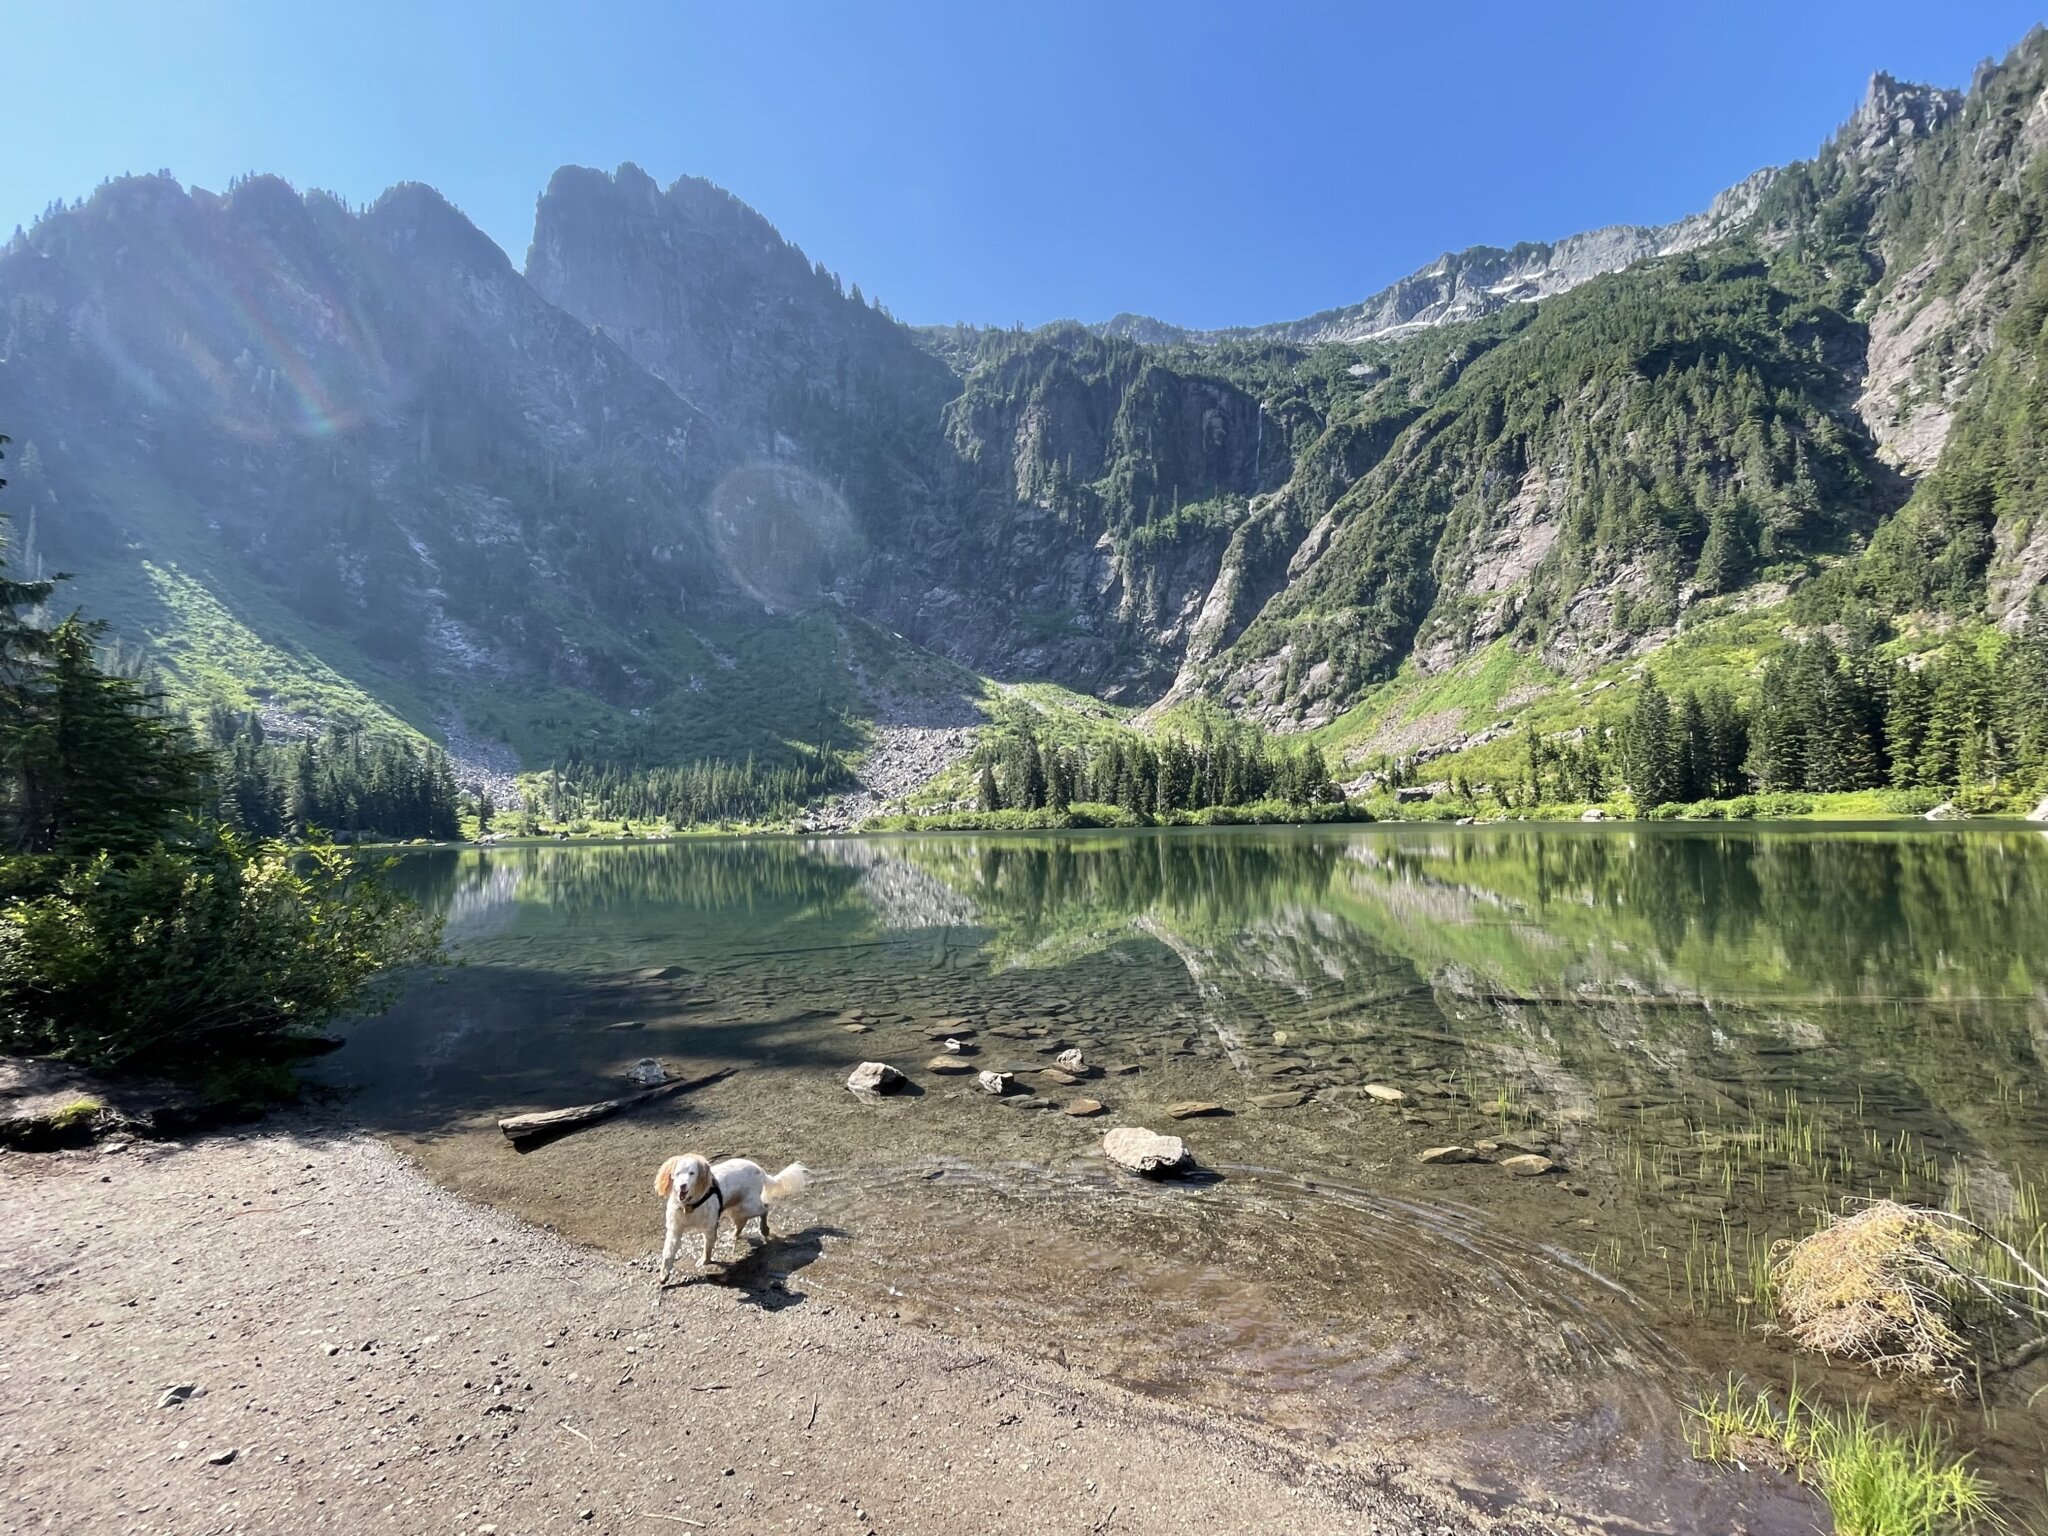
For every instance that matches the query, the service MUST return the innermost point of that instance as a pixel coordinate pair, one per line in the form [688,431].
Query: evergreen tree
[1647,756]
[1777,739]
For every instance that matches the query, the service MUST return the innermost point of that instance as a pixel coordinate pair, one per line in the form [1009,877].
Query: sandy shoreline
[380,1354]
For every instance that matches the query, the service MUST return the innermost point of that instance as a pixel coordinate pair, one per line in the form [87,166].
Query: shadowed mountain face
[675,485]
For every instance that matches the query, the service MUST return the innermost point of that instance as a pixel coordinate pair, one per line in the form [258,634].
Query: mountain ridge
[670,490]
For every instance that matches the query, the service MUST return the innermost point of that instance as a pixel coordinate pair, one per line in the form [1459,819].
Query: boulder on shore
[2039,812]
[1138,1150]
[874,1077]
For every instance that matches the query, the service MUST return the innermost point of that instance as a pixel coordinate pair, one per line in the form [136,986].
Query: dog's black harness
[713,1191]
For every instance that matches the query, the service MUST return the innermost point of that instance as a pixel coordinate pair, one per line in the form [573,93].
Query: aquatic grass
[1877,1480]
[1785,1159]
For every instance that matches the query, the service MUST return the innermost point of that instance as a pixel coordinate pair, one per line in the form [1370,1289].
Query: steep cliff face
[989,514]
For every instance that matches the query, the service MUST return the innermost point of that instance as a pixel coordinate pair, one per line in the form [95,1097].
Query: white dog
[700,1196]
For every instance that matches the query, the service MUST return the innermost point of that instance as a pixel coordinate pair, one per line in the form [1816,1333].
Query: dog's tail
[792,1181]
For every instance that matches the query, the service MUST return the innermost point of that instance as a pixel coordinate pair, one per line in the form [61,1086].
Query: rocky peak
[1895,112]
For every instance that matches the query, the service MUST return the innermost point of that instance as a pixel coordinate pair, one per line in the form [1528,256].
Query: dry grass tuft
[1881,1286]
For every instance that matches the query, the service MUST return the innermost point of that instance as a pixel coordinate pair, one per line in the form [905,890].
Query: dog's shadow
[761,1273]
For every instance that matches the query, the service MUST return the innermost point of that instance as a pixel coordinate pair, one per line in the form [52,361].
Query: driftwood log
[556,1122]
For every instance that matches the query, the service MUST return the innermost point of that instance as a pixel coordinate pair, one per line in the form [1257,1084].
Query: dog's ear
[665,1180]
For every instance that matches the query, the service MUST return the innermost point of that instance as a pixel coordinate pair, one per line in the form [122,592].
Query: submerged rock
[1449,1155]
[874,1077]
[1142,1151]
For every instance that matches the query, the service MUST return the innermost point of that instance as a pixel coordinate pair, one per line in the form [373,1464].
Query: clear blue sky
[1210,164]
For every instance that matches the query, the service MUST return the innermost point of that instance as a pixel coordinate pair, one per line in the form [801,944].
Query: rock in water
[647,1073]
[1386,1093]
[1527,1166]
[1448,1155]
[874,1077]
[994,1082]
[1190,1109]
[1069,1061]
[1142,1151]
[1592,813]
[2039,812]
[1946,811]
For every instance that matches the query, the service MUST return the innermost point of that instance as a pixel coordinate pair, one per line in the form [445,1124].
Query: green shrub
[188,954]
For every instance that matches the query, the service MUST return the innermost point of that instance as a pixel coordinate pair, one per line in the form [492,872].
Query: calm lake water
[1718,1032]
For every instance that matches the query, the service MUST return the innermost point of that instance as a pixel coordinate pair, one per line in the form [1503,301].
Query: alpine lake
[1717,1033]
